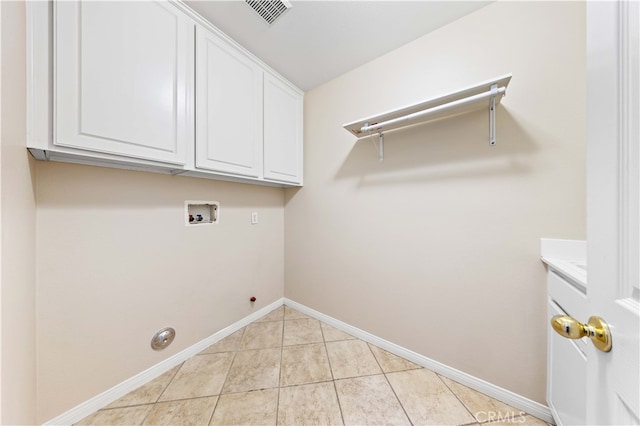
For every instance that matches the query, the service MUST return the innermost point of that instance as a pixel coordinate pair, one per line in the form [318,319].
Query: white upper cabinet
[152,86]
[123,79]
[282,131]
[228,108]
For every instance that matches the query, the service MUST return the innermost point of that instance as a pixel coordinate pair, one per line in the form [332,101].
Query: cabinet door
[123,78]
[282,131]
[228,108]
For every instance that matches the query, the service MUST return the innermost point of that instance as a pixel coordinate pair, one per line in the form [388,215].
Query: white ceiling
[316,41]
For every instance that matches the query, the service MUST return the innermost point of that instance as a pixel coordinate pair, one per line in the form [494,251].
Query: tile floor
[289,369]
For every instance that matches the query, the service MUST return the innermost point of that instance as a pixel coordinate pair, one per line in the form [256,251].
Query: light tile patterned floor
[289,369]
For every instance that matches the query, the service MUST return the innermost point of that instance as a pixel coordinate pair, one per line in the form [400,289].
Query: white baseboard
[81,411]
[513,399]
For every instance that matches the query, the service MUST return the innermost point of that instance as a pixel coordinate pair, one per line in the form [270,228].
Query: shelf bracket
[380,146]
[492,114]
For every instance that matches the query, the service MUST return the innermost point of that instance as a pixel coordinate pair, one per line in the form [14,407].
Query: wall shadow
[451,148]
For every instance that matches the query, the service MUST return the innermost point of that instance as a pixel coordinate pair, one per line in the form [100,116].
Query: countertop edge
[566,257]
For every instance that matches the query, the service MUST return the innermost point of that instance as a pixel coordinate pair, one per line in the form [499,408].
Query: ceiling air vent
[269,10]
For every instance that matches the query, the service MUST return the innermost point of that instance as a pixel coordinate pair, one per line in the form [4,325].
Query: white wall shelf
[487,94]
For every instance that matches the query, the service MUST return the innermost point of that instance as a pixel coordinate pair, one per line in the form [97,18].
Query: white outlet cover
[254,218]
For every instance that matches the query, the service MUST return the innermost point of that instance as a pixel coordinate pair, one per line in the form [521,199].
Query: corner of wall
[17,223]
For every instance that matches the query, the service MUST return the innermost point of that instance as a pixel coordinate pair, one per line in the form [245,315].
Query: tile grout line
[384,373]
[511,417]
[158,402]
[459,399]
[148,414]
[152,403]
[280,372]
[297,385]
[125,406]
[214,408]
[161,393]
[235,353]
[164,402]
[169,383]
[333,379]
[363,375]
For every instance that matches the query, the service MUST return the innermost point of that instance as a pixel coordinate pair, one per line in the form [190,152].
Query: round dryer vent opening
[162,338]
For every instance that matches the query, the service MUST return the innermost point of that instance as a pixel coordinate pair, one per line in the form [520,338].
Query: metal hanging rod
[417,116]
[484,95]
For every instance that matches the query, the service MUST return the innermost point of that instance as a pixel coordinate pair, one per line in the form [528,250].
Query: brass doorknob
[596,329]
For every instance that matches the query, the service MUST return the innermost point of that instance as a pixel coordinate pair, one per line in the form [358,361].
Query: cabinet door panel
[228,108]
[567,379]
[282,131]
[122,78]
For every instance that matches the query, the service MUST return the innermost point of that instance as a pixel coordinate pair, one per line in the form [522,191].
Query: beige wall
[17,226]
[436,249]
[431,250]
[115,263]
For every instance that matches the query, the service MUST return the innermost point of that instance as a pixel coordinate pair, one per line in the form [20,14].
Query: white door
[282,131]
[228,108]
[123,78]
[613,191]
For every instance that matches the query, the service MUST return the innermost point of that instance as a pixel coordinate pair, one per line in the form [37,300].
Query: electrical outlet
[254,218]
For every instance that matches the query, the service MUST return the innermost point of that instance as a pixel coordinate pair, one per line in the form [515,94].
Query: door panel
[229,108]
[122,77]
[282,131]
[613,378]
[566,376]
